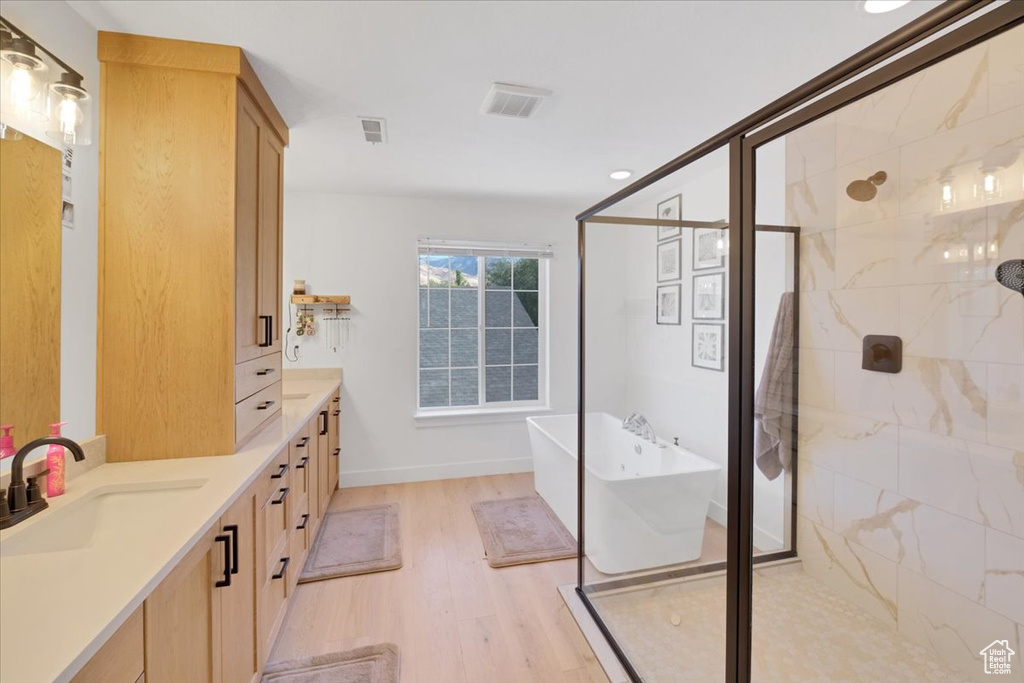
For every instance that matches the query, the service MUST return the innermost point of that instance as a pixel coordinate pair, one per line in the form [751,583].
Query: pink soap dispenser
[7,448]
[55,463]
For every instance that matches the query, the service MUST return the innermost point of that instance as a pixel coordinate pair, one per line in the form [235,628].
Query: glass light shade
[22,96]
[69,105]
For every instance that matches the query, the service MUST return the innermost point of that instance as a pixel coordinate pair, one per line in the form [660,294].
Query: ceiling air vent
[513,101]
[374,130]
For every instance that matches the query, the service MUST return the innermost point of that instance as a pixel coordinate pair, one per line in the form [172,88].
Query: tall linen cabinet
[191,171]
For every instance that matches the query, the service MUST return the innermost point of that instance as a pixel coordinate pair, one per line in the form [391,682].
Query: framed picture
[670,260]
[709,296]
[708,248]
[670,210]
[709,346]
[669,297]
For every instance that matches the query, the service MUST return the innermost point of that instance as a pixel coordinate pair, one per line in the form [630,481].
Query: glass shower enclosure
[802,381]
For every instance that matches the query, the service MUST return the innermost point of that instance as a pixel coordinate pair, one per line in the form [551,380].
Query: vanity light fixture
[621,174]
[22,79]
[882,6]
[29,98]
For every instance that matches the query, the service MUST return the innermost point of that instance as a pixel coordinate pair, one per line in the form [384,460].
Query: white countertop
[58,608]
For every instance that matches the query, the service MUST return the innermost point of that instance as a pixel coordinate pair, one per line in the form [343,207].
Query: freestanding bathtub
[645,504]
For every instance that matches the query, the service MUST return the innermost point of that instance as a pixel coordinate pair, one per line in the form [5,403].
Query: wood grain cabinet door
[323,436]
[250,329]
[183,617]
[271,205]
[239,663]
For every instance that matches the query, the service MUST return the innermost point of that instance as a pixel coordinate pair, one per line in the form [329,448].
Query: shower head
[1010,274]
[865,190]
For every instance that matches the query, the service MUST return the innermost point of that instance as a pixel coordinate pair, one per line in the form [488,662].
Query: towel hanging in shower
[773,402]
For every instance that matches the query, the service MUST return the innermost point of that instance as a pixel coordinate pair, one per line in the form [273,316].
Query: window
[482,327]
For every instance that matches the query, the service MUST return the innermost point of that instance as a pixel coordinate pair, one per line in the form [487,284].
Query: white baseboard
[457,470]
[762,539]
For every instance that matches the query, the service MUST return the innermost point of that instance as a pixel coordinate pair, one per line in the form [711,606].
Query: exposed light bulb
[23,89]
[620,174]
[70,116]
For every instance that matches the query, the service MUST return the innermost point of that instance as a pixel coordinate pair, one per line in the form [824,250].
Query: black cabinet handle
[302,463]
[336,413]
[266,332]
[226,540]
[335,399]
[323,430]
[282,468]
[267,371]
[302,444]
[264,405]
[305,522]
[337,451]
[279,501]
[284,568]
[233,529]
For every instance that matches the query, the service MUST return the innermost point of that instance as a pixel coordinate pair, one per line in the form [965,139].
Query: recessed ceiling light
[882,6]
[621,175]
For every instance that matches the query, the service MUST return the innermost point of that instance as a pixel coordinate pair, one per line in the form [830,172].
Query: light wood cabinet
[183,616]
[334,441]
[215,617]
[120,660]
[190,248]
[240,662]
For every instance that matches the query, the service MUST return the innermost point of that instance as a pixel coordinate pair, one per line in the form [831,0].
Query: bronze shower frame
[818,97]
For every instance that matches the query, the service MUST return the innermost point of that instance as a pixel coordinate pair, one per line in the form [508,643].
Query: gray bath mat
[373,664]
[521,530]
[357,541]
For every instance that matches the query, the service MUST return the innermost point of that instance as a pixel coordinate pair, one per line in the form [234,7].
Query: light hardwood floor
[454,618]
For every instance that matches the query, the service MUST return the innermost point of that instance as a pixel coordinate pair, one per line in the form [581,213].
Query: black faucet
[27,501]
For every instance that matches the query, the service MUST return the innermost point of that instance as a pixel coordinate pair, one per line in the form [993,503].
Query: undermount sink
[294,397]
[103,515]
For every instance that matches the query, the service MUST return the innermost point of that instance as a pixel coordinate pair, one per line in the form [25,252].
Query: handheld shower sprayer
[1010,274]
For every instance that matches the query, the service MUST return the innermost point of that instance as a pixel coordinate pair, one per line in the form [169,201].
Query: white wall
[366,247]
[65,33]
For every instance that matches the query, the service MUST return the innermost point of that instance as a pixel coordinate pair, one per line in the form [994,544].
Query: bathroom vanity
[173,570]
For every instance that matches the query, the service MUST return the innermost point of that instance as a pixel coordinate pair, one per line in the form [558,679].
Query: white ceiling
[635,83]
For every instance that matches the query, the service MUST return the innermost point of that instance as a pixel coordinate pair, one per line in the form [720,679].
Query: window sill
[449,418]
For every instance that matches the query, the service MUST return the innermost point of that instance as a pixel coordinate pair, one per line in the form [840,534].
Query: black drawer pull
[279,501]
[284,568]
[233,529]
[226,581]
[336,413]
[264,405]
[302,444]
[323,430]
[335,399]
[302,463]
[267,371]
[337,450]
[282,468]
[305,522]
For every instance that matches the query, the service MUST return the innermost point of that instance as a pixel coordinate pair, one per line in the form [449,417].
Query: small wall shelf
[312,299]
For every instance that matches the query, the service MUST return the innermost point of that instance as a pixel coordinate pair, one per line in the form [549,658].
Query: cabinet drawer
[297,551]
[256,374]
[276,519]
[257,409]
[270,605]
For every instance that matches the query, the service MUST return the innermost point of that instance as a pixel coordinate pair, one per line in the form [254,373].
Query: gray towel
[773,402]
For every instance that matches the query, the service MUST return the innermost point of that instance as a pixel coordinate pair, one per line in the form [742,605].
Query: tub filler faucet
[638,424]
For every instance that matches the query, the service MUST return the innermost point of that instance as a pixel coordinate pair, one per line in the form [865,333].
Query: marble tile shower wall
[911,491]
